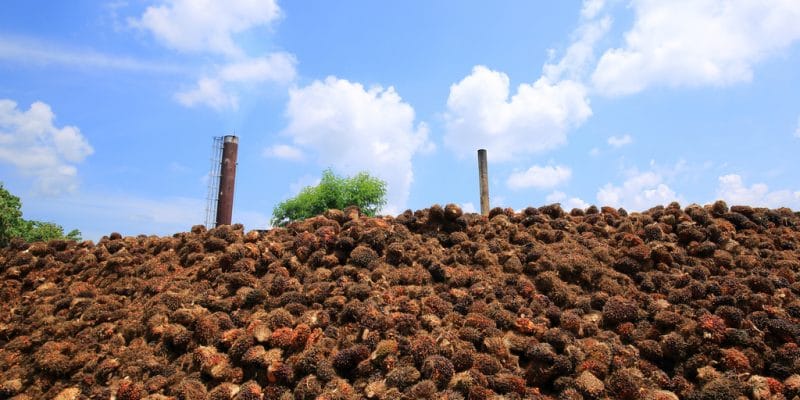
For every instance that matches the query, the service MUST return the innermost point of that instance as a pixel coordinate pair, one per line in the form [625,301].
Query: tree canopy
[362,190]
[12,225]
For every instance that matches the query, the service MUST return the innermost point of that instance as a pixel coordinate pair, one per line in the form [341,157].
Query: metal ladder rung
[213,182]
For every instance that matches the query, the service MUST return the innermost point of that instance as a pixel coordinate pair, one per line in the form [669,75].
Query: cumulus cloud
[480,114]
[352,128]
[591,8]
[483,112]
[640,191]
[211,27]
[566,201]
[284,152]
[205,26]
[208,92]
[577,60]
[695,43]
[539,177]
[619,141]
[217,93]
[277,67]
[31,143]
[733,190]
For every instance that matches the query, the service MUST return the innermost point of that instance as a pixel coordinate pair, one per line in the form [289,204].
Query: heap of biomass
[694,303]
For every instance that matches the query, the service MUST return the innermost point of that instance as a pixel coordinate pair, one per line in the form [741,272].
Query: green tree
[38,231]
[12,225]
[362,190]
[11,222]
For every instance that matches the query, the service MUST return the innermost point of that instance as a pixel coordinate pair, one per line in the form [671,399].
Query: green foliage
[362,190]
[45,231]
[10,216]
[74,235]
[12,225]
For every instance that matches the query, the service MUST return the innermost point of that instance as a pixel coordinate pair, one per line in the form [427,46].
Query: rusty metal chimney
[227,179]
[483,177]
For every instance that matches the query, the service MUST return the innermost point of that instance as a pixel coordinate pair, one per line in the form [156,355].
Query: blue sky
[107,109]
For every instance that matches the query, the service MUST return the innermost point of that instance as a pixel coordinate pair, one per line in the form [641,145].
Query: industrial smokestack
[483,178]
[227,179]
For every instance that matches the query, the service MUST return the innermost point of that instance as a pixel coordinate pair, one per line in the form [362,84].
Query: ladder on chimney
[213,182]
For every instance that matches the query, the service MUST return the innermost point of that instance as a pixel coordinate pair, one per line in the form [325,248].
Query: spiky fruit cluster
[438,369]
[402,377]
[619,309]
[128,390]
[346,360]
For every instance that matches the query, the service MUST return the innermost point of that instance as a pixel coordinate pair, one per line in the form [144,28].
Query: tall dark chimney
[227,180]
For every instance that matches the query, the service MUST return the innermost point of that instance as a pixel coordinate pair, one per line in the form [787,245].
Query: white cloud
[27,51]
[284,152]
[208,92]
[536,118]
[594,152]
[696,42]
[644,189]
[35,147]
[482,112]
[620,141]
[276,67]
[640,191]
[218,94]
[579,56]
[468,208]
[732,189]
[797,130]
[591,8]
[206,25]
[351,129]
[539,177]
[211,27]
[567,202]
